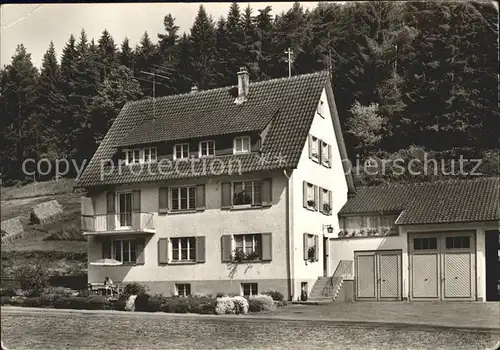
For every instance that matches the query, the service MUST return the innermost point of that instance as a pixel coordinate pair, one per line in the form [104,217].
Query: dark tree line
[404,74]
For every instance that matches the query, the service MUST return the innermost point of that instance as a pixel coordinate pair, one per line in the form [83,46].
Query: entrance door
[378,275]
[125,209]
[492,265]
[325,257]
[442,266]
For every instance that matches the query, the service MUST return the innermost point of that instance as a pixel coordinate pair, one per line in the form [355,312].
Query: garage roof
[430,202]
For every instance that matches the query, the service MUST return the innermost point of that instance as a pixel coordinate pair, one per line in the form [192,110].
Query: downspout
[289,235]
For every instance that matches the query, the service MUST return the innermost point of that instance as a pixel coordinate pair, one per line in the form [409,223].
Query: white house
[234,189]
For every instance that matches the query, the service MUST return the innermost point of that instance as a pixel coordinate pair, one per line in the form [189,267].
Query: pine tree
[107,53]
[222,45]
[250,49]
[184,65]
[146,56]
[203,50]
[126,55]
[235,41]
[264,31]
[19,89]
[168,50]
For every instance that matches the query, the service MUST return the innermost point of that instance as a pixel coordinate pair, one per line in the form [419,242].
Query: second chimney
[194,88]
[243,84]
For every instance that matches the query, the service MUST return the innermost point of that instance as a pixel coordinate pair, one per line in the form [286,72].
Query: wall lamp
[329,228]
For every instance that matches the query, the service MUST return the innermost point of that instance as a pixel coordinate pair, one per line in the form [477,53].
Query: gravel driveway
[51,330]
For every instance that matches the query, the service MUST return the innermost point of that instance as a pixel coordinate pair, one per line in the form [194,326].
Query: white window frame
[251,285]
[130,243]
[242,138]
[171,198]
[132,152]
[254,237]
[207,143]
[253,204]
[150,159]
[310,195]
[182,145]
[321,108]
[117,210]
[175,244]
[184,293]
[315,148]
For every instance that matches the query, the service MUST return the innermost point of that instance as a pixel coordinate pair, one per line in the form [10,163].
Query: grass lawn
[121,330]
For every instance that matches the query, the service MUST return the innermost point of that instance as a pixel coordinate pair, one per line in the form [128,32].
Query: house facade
[232,190]
[422,242]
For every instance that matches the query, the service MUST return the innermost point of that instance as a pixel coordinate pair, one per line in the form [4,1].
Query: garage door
[442,266]
[378,275]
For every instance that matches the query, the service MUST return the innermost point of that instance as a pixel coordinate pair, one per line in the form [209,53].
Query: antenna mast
[289,52]
[154,74]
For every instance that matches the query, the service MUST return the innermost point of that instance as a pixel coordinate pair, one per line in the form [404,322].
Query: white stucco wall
[343,249]
[211,223]
[306,221]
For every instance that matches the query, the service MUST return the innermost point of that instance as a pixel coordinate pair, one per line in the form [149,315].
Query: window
[314,148]
[310,247]
[458,242]
[183,249]
[125,209]
[310,196]
[249,289]
[326,205]
[321,107]
[425,243]
[207,148]
[241,144]
[132,156]
[181,151]
[248,244]
[124,251]
[183,198]
[150,154]
[247,193]
[183,290]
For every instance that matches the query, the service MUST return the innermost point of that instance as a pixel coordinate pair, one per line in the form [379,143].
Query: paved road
[53,329]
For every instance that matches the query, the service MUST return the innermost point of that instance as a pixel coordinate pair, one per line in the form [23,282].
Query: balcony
[118,224]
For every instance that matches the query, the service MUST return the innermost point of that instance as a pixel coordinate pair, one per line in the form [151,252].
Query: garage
[377,275]
[442,266]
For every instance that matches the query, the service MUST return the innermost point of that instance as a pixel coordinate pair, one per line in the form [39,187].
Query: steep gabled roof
[286,105]
[430,202]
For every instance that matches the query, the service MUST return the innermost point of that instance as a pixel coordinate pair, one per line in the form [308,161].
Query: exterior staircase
[326,289]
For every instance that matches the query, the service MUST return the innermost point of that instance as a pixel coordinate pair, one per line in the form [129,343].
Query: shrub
[281,303]
[141,301]
[202,305]
[130,303]
[277,296]
[32,302]
[78,303]
[17,300]
[154,304]
[48,300]
[119,305]
[176,305]
[133,289]
[261,303]
[6,300]
[34,277]
[9,292]
[240,305]
[96,302]
[60,291]
[231,305]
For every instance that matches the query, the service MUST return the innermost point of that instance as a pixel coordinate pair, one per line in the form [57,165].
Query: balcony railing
[118,222]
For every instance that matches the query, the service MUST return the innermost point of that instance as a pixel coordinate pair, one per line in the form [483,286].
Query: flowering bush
[130,304]
[240,305]
[277,296]
[225,305]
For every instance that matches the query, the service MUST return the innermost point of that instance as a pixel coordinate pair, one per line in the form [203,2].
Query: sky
[36,25]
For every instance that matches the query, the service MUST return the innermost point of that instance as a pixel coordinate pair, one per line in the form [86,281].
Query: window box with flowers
[240,256]
[327,209]
[311,254]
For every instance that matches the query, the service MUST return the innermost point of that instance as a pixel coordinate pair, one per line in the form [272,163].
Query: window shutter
[320,190]
[226,195]
[267,246]
[316,245]
[316,197]
[306,247]
[200,249]
[106,247]
[330,202]
[200,197]
[139,246]
[110,218]
[304,194]
[163,200]
[226,248]
[309,144]
[329,156]
[267,192]
[163,251]
[320,151]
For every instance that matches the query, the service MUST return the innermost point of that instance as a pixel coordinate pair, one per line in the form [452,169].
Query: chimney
[194,88]
[243,84]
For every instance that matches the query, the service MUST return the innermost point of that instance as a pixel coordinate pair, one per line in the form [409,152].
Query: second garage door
[442,266]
